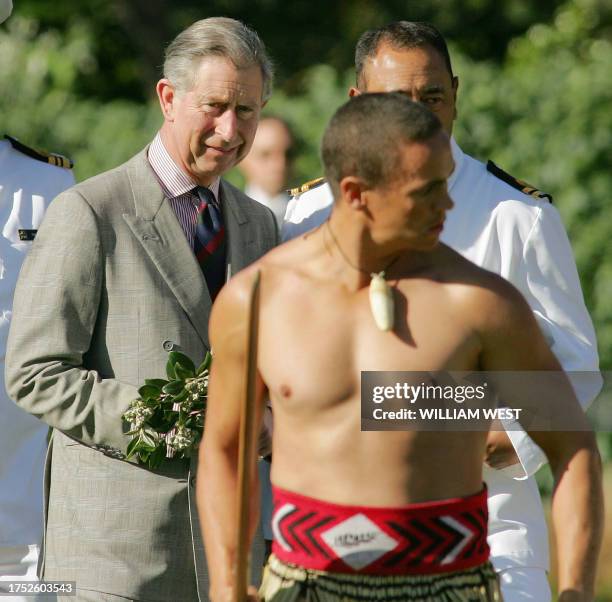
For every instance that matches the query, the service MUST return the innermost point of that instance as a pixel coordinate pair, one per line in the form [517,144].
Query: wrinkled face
[420,73]
[412,208]
[209,128]
[267,164]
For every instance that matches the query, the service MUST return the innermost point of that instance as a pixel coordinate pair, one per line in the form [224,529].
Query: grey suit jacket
[109,287]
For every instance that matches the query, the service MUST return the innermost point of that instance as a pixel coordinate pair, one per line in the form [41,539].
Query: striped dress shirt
[178,187]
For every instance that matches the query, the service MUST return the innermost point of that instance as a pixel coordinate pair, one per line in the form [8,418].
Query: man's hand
[500,452]
[571,595]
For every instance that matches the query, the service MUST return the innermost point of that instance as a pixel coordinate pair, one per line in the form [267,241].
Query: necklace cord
[350,263]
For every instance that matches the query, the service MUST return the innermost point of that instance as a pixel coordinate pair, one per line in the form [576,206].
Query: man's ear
[353,91]
[351,192]
[166,96]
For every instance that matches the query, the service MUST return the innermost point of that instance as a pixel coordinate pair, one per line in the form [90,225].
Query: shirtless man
[387,160]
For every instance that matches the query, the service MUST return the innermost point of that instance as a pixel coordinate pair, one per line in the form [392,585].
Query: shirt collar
[458,158]
[173,180]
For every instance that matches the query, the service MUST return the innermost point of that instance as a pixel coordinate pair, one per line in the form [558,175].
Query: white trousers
[18,563]
[522,584]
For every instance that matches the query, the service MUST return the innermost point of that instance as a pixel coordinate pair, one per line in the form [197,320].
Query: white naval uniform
[523,239]
[26,187]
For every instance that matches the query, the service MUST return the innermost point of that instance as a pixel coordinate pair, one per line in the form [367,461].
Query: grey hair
[216,36]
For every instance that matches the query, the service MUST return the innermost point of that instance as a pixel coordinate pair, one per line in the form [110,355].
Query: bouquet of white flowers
[167,419]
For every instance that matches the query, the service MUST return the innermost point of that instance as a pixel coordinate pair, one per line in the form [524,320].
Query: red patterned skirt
[418,539]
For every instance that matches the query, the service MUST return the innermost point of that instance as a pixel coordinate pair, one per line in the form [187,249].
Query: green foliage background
[540,105]
[535,95]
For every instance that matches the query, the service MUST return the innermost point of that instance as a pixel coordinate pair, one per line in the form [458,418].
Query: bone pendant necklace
[382,304]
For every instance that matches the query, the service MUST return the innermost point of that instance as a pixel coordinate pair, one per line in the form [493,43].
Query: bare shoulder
[233,298]
[488,297]
[498,315]
[232,302]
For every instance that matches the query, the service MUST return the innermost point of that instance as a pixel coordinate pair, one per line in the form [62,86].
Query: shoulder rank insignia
[521,185]
[40,155]
[298,190]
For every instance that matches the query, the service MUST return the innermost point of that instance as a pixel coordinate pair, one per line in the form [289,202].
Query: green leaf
[205,365]
[148,392]
[170,373]
[157,421]
[180,359]
[183,372]
[156,382]
[132,447]
[149,439]
[157,457]
[181,396]
[174,387]
[153,402]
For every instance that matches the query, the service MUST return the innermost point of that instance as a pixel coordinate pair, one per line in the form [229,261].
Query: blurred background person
[267,167]
[29,179]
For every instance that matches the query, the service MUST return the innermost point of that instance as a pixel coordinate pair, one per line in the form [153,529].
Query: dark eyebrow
[433,89]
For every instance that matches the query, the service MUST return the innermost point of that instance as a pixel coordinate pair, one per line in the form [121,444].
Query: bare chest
[315,345]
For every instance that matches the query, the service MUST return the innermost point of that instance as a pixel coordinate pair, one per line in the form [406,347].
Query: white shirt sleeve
[552,288]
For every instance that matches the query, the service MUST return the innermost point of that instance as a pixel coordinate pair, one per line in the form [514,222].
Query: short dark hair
[365,135]
[399,35]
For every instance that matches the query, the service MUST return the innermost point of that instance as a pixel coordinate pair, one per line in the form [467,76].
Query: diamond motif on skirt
[358,541]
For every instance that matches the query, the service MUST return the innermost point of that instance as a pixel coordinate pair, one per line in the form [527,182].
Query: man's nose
[443,205]
[227,125]
[446,202]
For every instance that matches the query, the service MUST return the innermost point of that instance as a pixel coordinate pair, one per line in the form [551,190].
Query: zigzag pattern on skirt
[428,538]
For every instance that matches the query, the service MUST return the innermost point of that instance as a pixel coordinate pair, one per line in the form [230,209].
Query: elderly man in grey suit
[125,268]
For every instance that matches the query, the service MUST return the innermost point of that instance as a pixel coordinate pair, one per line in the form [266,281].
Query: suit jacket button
[168,345]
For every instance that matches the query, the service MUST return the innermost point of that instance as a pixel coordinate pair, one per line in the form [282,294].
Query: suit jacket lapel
[159,232]
[241,232]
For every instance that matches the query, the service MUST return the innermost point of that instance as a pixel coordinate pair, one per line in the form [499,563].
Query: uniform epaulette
[40,155]
[298,190]
[521,185]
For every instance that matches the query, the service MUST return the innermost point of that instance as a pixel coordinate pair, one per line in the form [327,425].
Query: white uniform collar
[459,158]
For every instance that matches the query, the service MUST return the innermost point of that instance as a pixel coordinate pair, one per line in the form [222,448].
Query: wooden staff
[247,449]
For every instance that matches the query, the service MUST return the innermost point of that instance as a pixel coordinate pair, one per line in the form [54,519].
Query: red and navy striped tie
[210,241]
